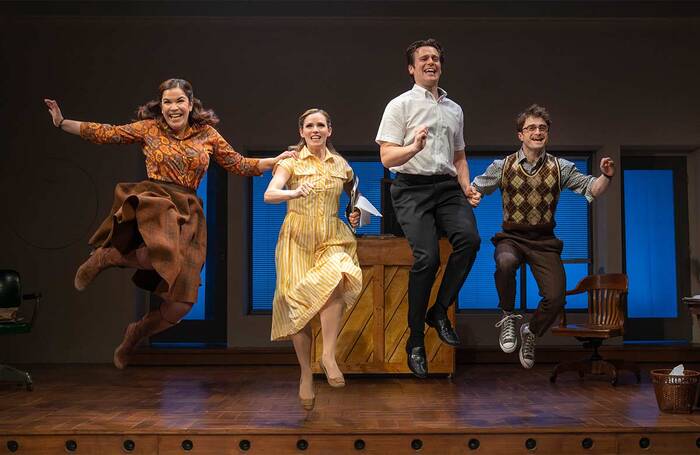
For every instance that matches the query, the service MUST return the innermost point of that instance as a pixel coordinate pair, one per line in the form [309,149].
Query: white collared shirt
[444,119]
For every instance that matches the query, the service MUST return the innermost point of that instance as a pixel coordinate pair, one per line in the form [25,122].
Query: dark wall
[608,83]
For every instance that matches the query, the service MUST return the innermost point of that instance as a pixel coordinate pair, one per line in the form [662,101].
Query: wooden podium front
[374,332]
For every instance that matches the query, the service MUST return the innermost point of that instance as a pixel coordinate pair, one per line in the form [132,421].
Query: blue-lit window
[572,218]
[650,240]
[267,220]
[198,309]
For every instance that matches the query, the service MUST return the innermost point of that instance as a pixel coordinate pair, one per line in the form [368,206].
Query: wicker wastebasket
[676,394]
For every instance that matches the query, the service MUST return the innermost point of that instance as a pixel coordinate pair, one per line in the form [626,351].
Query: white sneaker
[527,350]
[508,339]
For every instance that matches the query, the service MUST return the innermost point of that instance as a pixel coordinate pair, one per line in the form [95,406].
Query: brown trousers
[543,254]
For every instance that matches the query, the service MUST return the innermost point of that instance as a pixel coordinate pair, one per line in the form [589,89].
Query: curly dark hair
[432,42]
[199,116]
[534,110]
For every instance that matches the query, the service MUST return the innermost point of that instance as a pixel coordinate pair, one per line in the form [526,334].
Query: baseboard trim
[285,355]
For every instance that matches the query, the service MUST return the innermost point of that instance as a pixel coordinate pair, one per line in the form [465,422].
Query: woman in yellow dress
[316,259]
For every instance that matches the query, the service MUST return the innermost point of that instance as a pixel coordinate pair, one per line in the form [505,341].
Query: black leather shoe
[444,329]
[417,363]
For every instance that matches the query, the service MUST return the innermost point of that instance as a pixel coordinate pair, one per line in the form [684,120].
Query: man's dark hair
[411,50]
[534,110]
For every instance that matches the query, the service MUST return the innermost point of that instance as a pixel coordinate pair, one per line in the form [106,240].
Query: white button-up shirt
[444,119]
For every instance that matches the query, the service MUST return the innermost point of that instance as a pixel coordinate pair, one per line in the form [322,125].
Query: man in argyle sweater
[530,181]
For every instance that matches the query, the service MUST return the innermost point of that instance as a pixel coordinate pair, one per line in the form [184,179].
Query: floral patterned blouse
[182,158]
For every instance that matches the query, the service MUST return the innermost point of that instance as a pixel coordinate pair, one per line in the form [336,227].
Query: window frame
[212,330]
[655,328]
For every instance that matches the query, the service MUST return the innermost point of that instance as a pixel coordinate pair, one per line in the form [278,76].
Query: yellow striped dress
[316,251]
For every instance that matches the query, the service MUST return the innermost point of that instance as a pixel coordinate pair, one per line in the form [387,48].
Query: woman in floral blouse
[157,226]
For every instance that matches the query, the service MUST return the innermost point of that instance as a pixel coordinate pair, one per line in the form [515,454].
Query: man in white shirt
[421,138]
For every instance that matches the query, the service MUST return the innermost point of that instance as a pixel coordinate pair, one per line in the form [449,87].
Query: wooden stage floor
[254,409]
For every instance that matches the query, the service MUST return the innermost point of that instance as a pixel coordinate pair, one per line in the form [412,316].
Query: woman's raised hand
[55,111]
[286,154]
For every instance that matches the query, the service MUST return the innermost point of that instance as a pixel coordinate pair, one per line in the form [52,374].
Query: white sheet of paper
[366,209]
[677,370]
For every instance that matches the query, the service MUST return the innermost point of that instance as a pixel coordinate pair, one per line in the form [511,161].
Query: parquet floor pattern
[262,400]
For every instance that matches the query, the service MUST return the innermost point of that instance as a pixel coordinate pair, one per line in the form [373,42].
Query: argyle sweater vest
[529,201]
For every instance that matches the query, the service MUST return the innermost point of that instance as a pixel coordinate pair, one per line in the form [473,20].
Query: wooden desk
[373,334]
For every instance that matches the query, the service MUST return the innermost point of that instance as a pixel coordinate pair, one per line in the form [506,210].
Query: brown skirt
[168,219]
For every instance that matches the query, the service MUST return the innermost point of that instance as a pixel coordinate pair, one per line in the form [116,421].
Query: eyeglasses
[533,128]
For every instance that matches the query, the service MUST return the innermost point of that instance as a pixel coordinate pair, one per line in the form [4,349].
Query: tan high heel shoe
[337,382]
[307,403]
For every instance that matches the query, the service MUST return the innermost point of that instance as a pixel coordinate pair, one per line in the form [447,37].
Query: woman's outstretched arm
[236,163]
[99,133]
[69,126]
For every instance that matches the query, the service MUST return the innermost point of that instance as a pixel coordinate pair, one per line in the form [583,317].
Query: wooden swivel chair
[606,318]
[15,317]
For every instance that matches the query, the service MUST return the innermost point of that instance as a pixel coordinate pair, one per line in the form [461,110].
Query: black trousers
[426,206]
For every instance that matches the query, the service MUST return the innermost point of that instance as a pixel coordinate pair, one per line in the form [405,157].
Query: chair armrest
[576,291]
[22,314]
